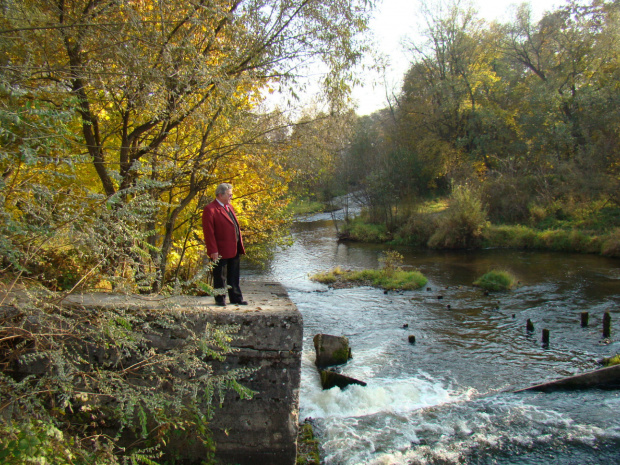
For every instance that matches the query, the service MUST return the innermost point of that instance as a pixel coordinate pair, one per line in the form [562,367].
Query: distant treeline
[526,115]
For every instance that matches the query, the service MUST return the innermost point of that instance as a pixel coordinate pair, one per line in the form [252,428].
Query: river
[448,398]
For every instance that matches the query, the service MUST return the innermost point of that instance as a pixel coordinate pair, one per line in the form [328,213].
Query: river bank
[419,233]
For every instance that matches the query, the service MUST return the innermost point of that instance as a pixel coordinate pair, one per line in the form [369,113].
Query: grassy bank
[303,207]
[462,223]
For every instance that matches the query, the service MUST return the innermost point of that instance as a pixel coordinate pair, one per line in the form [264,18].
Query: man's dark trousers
[226,272]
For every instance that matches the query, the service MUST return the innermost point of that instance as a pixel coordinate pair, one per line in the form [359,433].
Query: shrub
[463,223]
[507,198]
[417,230]
[36,441]
[366,232]
[611,245]
[392,261]
[496,280]
[104,384]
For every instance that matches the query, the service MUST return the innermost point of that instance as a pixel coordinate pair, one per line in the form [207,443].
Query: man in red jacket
[224,245]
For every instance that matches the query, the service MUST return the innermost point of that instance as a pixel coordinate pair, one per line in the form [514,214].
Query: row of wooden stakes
[585,316]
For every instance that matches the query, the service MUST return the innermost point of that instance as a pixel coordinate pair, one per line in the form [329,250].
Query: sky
[397,20]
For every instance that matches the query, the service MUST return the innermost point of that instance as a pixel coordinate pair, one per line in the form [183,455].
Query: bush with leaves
[463,222]
[76,384]
[88,384]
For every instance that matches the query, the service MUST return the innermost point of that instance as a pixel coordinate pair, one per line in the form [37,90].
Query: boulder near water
[331,350]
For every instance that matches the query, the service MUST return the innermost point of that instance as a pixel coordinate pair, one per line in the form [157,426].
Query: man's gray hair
[222,188]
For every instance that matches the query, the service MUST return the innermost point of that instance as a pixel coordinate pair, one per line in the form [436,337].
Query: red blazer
[219,231]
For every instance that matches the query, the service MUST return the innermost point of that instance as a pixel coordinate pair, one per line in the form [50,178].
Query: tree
[570,69]
[315,145]
[165,97]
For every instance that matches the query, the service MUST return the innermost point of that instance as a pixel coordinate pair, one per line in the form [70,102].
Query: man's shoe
[241,302]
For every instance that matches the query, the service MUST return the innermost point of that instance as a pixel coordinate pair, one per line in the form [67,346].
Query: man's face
[226,198]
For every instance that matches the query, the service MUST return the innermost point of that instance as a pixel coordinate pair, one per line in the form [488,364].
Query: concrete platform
[258,431]
[604,378]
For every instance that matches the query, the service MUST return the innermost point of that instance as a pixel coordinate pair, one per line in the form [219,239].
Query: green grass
[434,206]
[559,240]
[615,360]
[306,207]
[307,446]
[497,280]
[393,279]
[358,230]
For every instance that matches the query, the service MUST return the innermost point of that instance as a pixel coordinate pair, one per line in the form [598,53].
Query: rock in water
[331,350]
[330,379]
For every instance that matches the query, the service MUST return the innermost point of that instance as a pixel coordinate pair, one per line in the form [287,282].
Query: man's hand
[215,256]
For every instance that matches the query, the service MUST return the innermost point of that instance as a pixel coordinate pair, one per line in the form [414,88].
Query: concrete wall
[262,430]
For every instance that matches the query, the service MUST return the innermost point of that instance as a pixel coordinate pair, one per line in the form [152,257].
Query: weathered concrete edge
[603,378]
[262,430]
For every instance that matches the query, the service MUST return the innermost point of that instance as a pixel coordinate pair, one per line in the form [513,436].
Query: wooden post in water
[584,319]
[529,325]
[606,325]
[545,337]
[411,339]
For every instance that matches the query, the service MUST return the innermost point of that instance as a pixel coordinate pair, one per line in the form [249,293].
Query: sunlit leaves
[163,102]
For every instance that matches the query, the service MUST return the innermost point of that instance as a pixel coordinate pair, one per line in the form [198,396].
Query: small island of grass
[497,280]
[390,277]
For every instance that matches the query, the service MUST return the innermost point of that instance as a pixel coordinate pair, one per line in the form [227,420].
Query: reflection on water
[447,398]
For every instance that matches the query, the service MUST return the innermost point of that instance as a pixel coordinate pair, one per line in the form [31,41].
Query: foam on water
[418,421]
[381,395]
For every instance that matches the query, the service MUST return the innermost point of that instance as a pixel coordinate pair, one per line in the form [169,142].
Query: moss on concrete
[307,446]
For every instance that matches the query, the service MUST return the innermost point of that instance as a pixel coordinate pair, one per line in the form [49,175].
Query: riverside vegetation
[503,135]
[390,277]
[106,160]
[461,221]
[103,174]
[497,280]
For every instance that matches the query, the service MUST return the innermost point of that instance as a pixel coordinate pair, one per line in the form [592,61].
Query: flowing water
[448,398]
